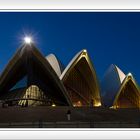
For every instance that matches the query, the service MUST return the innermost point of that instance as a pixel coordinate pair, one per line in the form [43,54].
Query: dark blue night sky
[110,38]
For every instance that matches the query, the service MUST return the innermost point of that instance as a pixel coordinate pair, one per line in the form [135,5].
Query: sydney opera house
[30,79]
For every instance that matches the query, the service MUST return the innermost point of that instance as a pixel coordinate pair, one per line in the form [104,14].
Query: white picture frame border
[70,6]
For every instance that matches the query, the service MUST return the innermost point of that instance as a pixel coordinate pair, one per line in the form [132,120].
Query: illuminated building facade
[119,90]
[80,80]
[128,95]
[30,79]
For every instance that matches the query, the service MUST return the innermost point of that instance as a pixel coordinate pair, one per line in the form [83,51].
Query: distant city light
[28,40]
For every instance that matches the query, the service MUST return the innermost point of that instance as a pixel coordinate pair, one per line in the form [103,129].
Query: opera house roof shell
[55,63]
[30,62]
[30,79]
[80,80]
[119,90]
[111,83]
[128,95]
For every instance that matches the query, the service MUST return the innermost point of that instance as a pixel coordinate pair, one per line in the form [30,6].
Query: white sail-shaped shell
[54,62]
[111,83]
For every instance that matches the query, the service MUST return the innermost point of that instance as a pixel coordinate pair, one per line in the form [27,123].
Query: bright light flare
[28,40]
[53,105]
[97,104]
